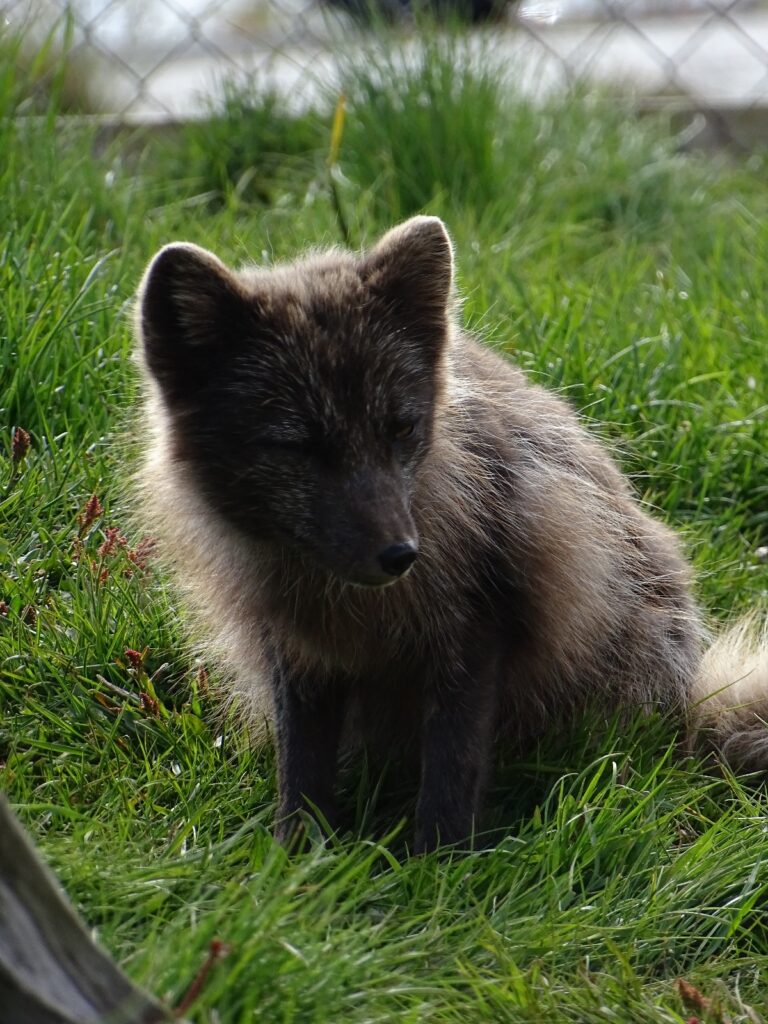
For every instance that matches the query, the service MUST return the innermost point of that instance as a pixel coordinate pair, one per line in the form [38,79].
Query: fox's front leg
[309,715]
[456,754]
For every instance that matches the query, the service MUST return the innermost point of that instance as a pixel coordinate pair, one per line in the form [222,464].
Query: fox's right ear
[190,308]
[411,270]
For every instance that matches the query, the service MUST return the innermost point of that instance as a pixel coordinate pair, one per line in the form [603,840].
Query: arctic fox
[394,537]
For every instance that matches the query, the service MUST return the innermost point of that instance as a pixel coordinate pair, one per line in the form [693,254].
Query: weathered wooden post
[51,971]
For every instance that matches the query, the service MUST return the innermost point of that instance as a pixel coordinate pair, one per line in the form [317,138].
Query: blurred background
[165,60]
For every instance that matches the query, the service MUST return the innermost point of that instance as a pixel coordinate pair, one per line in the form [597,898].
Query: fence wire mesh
[159,59]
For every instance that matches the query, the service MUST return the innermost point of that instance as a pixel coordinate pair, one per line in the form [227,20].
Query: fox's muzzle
[372,539]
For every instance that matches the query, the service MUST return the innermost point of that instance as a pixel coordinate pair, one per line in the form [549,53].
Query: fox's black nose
[398,558]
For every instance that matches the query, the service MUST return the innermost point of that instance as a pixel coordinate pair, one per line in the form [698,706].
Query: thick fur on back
[280,403]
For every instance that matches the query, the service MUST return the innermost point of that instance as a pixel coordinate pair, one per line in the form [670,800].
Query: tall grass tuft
[422,123]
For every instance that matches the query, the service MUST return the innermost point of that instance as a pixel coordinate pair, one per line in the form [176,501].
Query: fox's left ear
[411,268]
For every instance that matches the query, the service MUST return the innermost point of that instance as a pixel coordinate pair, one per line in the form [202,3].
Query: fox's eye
[403,429]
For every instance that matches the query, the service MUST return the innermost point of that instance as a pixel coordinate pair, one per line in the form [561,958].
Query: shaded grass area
[608,265]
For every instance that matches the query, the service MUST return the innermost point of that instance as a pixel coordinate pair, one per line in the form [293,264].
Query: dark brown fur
[308,417]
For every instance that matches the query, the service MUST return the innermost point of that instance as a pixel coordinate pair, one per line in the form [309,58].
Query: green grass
[612,268]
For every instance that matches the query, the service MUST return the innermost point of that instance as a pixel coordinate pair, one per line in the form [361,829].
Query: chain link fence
[141,60]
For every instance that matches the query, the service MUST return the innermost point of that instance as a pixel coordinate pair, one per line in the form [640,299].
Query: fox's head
[301,398]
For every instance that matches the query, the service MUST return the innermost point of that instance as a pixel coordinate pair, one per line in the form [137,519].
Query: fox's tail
[729,697]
